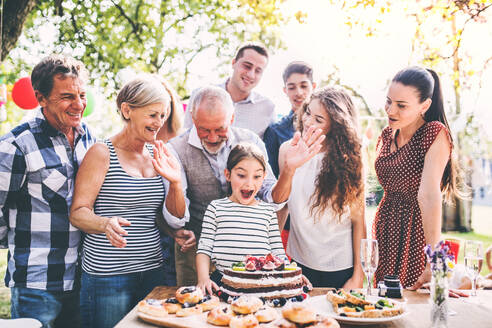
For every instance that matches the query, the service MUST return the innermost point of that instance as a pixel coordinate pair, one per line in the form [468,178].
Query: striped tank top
[137,200]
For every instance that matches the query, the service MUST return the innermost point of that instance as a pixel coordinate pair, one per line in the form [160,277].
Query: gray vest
[203,186]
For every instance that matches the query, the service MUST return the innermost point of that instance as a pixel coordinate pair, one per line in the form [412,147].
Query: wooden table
[473,312]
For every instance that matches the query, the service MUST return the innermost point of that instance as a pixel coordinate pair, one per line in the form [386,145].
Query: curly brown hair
[339,181]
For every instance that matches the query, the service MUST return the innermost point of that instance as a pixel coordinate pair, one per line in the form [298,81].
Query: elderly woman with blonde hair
[120,188]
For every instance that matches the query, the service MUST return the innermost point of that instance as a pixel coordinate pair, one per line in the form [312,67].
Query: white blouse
[324,244]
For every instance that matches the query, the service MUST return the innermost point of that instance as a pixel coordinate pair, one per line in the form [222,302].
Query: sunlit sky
[365,63]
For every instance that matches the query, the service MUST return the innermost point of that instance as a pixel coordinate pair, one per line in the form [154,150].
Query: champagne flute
[473,262]
[369,257]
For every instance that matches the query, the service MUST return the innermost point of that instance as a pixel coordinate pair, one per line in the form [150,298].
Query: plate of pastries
[190,308]
[356,308]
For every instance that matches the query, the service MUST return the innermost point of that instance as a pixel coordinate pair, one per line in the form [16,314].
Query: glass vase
[439,293]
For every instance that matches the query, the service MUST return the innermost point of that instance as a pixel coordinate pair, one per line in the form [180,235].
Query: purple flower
[437,257]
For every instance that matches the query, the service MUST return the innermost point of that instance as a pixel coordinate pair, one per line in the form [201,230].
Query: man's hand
[185,239]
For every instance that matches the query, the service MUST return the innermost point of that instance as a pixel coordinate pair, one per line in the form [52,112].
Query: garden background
[356,44]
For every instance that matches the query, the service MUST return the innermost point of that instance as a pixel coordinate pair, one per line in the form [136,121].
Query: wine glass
[369,257]
[473,262]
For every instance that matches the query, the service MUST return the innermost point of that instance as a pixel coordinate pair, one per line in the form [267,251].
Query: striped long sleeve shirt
[230,231]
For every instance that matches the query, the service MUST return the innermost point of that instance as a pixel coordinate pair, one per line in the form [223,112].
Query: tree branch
[12,20]
[178,21]
[188,62]
[460,33]
[480,80]
[135,27]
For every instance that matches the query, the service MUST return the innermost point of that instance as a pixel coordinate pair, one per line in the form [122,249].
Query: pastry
[152,307]
[299,314]
[244,321]
[281,323]
[266,314]
[187,311]
[324,322]
[190,294]
[220,316]
[246,304]
[171,305]
[209,302]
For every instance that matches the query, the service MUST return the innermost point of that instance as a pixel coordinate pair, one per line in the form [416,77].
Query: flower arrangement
[441,263]
[440,258]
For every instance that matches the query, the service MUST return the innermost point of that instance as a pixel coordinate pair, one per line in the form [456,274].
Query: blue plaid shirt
[37,173]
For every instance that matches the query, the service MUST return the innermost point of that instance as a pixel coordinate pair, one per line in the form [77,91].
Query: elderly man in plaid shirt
[38,164]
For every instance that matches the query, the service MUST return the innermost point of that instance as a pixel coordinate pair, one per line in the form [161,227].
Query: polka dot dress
[398,223]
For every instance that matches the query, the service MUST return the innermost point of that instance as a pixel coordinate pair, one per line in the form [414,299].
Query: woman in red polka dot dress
[414,166]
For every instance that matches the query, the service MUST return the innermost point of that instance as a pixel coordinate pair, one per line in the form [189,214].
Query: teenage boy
[298,86]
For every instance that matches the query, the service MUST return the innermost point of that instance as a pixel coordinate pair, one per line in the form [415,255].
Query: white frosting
[271,273]
[276,293]
[269,281]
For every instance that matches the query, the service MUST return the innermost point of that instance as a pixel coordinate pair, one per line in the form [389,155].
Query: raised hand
[114,231]
[165,163]
[302,148]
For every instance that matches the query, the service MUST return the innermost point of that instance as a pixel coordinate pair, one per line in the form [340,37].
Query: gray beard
[214,153]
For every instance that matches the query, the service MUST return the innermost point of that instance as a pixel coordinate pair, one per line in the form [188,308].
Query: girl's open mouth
[246,193]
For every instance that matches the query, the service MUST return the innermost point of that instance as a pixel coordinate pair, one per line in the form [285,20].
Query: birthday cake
[267,277]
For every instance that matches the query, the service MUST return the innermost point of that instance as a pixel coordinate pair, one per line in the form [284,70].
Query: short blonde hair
[142,91]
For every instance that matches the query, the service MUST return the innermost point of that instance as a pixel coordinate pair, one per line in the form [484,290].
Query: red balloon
[23,94]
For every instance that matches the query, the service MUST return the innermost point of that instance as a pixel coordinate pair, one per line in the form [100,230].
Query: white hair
[213,95]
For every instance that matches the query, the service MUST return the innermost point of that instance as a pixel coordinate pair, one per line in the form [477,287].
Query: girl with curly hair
[326,203]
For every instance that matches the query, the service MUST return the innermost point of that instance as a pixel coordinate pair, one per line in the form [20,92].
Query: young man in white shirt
[251,110]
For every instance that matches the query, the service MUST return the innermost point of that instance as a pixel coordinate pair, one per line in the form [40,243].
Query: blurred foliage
[113,37]
[439,33]
[153,36]
[14,116]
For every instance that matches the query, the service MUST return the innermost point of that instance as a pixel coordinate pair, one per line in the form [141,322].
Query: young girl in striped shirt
[240,224]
